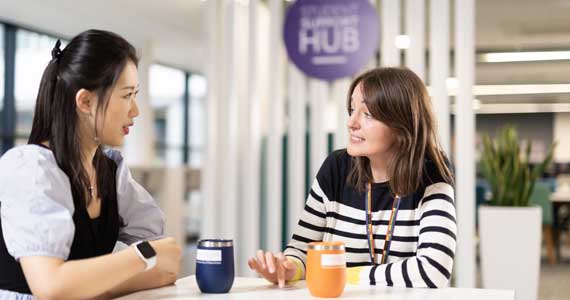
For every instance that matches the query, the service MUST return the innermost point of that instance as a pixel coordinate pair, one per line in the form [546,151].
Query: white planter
[510,248]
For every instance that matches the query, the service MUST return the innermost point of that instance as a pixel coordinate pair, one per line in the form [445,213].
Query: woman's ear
[85,101]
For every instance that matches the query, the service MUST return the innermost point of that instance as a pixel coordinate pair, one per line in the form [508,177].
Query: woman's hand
[164,273]
[273,267]
[100,277]
[168,255]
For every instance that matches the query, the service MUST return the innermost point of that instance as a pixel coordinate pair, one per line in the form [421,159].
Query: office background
[231,133]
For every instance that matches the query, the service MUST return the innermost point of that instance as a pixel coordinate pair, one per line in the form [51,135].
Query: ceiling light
[452,83]
[476,104]
[523,56]
[402,41]
[507,89]
[519,89]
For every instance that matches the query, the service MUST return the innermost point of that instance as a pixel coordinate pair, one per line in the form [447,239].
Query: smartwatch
[146,253]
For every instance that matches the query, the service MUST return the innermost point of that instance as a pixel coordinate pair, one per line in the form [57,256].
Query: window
[197,90]
[196,139]
[166,88]
[1,70]
[33,53]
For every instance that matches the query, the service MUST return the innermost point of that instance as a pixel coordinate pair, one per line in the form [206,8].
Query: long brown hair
[398,98]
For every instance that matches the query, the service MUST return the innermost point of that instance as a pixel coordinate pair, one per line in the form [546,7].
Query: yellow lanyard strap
[389,230]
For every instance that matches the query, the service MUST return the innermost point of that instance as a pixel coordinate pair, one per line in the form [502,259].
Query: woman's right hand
[274,267]
[168,255]
[164,273]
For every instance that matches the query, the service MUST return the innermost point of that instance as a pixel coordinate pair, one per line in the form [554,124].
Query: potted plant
[509,227]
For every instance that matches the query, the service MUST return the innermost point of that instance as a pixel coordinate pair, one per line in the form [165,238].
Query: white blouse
[36,206]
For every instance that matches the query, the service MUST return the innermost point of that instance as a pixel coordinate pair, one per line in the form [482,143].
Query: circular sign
[330,39]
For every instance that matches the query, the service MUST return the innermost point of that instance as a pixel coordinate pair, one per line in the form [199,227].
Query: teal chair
[541,196]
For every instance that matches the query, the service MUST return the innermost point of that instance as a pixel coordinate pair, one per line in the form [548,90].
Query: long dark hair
[398,98]
[93,60]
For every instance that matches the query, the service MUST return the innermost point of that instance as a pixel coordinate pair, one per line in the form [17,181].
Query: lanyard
[389,230]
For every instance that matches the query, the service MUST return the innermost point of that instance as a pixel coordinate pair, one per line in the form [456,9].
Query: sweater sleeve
[141,216]
[312,223]
[433,263]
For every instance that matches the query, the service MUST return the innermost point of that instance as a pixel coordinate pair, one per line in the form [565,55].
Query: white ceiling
[172,28]
[522,24]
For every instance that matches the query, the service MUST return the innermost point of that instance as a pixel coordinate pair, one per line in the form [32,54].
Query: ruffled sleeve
[36,205]
[141,217]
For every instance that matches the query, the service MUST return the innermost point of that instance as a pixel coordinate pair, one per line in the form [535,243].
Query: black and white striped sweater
[424,240]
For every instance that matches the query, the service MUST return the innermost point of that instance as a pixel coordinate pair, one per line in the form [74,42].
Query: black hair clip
[56,51]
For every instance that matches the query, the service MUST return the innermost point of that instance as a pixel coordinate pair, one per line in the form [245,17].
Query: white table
[257,288]
[560,196]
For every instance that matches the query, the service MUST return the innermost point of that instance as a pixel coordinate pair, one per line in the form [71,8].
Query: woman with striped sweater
[389,196]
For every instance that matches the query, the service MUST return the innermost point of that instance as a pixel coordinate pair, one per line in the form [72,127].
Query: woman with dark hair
[389,196]
[65,201]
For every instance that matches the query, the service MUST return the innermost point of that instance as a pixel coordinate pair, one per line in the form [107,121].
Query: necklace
[91,191]
[91,188]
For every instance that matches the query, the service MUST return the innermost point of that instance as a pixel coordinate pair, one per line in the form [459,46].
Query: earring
[95,138]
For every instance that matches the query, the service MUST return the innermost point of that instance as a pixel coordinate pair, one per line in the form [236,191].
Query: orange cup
[326,269]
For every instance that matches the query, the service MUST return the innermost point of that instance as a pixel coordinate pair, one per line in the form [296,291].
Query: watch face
[146,250]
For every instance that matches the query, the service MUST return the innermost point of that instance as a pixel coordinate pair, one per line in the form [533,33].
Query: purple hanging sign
[330,39]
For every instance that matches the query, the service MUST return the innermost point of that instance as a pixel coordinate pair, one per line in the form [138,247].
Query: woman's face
[122,108]
[367,136]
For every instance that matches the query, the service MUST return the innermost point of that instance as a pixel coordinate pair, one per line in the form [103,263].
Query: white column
[297,145]
[415,29]
[250,206]
[174,134]
[561,129]
[276,113]
[318,99]
[373,63]
[340,97]
[439,68]
[210,170]
[228,215]
[390,27]
[172,196]
[465,142]
[139,144]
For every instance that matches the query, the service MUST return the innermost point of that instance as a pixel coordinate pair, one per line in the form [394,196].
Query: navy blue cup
[215,266]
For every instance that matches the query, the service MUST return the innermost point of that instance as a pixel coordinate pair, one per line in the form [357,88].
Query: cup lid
[319,246]
[215,243]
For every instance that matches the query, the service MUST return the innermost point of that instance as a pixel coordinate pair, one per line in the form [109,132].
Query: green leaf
[507,168]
